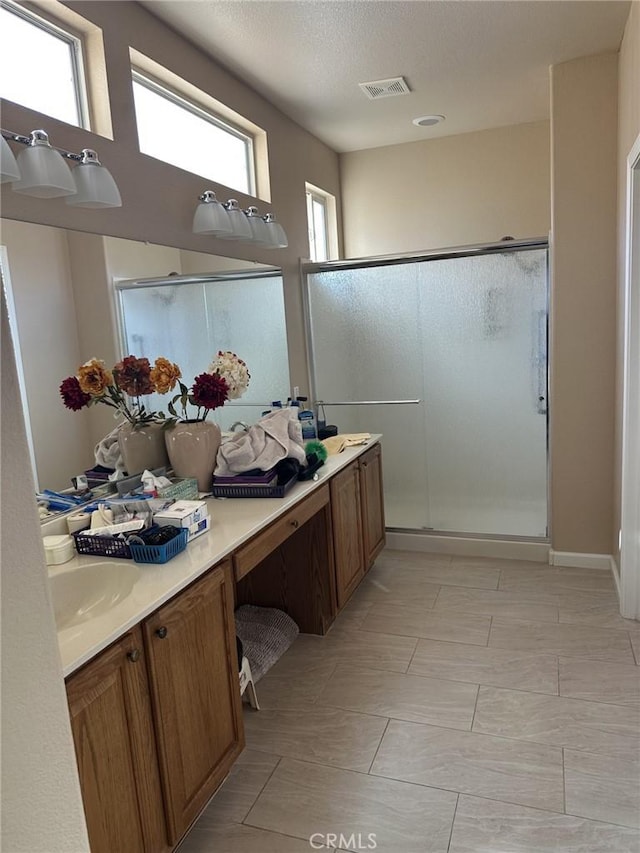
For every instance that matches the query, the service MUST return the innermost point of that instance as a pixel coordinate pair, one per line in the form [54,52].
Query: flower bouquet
[122,387]
[192,441]
[136,443]
[226,378]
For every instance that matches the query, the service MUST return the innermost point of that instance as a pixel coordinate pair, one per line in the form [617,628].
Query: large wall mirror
[73,296]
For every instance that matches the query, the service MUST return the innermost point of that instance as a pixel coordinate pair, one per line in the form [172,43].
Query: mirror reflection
[74,296]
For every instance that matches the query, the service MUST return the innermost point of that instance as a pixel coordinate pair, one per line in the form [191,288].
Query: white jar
[58,549]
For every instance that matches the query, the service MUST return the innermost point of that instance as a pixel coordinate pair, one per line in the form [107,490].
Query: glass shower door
[466,336]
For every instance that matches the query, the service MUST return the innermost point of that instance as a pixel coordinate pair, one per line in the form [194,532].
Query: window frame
[146,80]
[75,41]
[313,195]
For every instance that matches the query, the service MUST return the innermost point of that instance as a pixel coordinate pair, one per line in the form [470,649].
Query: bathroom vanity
[152,682]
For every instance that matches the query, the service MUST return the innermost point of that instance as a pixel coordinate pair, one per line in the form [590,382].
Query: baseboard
[505,549]
[576,560]
[615,571]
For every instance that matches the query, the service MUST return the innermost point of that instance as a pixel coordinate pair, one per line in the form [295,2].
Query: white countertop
[233,521]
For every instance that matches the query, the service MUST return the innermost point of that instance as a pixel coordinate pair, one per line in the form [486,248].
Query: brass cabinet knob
[295,523]
[134,655]
[161,633]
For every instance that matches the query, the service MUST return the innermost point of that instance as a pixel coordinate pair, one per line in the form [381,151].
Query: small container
[58,549]
[79,521]
[308,423]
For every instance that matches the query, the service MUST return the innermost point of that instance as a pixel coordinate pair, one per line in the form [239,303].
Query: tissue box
[199,527]
[187,514]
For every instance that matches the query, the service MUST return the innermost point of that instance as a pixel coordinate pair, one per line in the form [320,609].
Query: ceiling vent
[385,88]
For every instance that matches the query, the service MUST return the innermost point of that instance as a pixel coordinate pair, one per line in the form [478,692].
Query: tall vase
[192,447]
[142,447]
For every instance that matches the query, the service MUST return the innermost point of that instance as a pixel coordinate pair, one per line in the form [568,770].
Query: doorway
[630,509]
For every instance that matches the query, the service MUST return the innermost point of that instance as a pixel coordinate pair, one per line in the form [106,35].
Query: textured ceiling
[481,63]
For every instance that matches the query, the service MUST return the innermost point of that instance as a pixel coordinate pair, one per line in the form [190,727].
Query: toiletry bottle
[308,422]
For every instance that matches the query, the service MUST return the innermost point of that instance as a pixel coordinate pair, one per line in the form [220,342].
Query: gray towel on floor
[266,633]
[276,436]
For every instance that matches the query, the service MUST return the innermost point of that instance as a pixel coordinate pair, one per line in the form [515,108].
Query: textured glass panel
[467,336]
[367,346]
[188,323]
[482,322]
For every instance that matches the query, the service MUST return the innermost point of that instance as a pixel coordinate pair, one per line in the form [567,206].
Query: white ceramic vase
[142,447]
[192,447]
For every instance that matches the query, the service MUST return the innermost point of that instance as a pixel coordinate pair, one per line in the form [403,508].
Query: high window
[41,65]
[321,222]
[176,130]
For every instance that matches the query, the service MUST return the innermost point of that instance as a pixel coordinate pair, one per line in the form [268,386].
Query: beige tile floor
[456,706]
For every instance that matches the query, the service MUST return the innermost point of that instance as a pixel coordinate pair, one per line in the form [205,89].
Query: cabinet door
[347,531]
[115,750]
[193,671]
[372,504]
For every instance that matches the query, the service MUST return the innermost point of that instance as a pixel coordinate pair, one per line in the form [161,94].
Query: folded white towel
[276,436]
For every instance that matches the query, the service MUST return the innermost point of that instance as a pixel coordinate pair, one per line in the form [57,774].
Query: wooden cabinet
[193,669]
[115,750]
[157,720]
[372,502]
[346,515]
[357,510]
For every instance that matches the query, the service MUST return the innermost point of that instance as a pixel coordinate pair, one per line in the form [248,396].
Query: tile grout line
[564,785]
[475,707]
[413,654]
[453,820]
[378,747]
[633,651]
[277,764]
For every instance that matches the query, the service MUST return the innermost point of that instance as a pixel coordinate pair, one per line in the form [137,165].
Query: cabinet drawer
[247,557]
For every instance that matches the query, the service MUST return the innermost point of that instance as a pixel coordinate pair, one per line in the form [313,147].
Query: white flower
[233,370]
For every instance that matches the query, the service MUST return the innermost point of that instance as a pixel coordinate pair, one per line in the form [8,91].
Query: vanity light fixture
[211,217]
[229,221]
[41,171]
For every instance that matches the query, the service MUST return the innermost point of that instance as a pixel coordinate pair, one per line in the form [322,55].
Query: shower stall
[445,353]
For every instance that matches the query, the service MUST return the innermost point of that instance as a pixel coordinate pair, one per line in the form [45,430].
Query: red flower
[72,394]
[209,391]
[133,376]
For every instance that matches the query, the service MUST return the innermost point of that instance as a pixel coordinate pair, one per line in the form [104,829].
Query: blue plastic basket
[152,553]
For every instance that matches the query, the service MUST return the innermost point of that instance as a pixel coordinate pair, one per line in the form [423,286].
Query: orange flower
[164,375]
[93,377]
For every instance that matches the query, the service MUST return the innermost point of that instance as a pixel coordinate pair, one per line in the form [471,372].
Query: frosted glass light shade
[211,217]
[259,231]
[94,184]
[277,236]
[9,170]
[239,222]
[43,171]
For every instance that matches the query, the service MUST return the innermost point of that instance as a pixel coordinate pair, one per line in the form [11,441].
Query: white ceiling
[481,63]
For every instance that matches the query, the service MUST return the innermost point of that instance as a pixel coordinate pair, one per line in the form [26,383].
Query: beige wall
[628,131]
[452,191]
[583,304]
[41,805]
[39,268]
